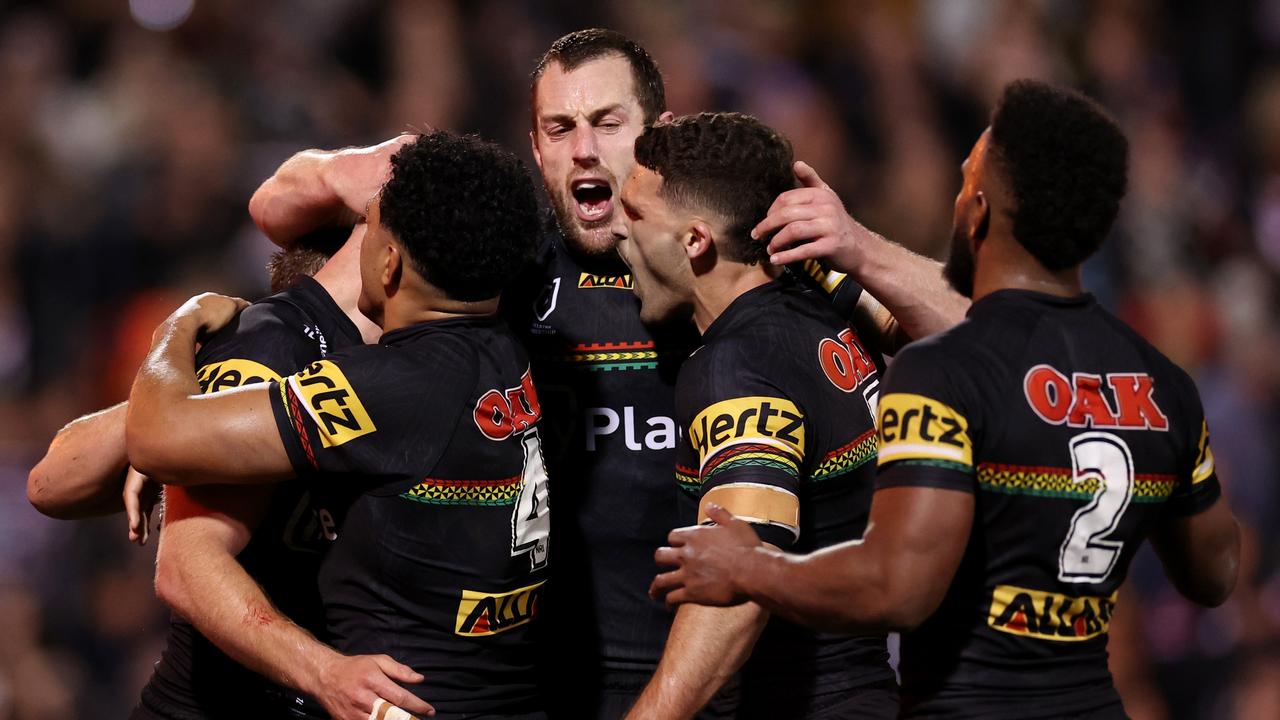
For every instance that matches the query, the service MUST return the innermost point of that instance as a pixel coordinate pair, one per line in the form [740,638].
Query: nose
[585,150]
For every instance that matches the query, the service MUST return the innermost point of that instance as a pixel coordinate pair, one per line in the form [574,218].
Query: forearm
[155,428]
[705,648]
[225,604]
[298,199]
[82,473]
[911,287]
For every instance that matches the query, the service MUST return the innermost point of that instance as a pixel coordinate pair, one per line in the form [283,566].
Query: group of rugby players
[363,530]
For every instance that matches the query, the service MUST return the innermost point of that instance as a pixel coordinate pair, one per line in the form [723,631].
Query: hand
[348,686]
[140,496]
[811,222]
[208,312]
[706,558]
[355,175]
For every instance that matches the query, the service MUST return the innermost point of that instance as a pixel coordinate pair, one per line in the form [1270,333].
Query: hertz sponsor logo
[1049,616]
[915,427]
[232,374]
[331,402]
[764,420]
[481,613]
[620,282]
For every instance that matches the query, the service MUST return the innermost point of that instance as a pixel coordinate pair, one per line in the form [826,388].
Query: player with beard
[232,553]
[1024,455]
[605,379]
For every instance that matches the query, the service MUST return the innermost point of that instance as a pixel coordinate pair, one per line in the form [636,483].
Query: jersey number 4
[1086,555]
[531,519]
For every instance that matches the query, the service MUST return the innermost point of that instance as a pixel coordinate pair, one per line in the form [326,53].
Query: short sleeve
[371,413]
[745,446]
[926,422]
[1197,487]
[263,343]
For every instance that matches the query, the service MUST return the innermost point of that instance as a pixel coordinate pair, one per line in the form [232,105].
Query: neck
[1003,264]
[716,289]
[419,303]
[340,277]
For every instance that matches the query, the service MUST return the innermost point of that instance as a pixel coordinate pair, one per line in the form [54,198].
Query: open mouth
[592,199]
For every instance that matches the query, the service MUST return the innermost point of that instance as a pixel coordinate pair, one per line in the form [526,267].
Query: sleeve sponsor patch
[1204,468]
[232,373]
[919,428]
[327,396]
[772,422]
[756,503]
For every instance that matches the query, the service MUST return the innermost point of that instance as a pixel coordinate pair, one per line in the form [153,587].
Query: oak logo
[481,613]
[1049,616]
[1082,402]
[331,402]
[768,420]
[499,414]
[844,361]
[621,282]
[915,427]
[232,374]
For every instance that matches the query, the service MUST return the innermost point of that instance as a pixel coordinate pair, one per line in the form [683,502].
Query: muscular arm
[1201,553]
[82,473]
[892,579]
[175,435]
[318,188]
[705,647]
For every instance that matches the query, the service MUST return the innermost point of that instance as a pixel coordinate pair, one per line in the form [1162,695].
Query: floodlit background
[132,134]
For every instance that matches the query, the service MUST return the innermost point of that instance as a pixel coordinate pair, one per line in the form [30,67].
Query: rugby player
[231,555]
[1024,455]
[777,410]
[424,448]
[605,379]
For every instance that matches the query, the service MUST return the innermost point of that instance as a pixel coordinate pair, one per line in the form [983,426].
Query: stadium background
[132,134]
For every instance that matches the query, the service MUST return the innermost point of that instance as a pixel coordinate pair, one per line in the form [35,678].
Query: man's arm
[175,435]
[82,473]
[319,188]
[705,647]
[197,575]
[811,223]
[892,579]
[1201,553]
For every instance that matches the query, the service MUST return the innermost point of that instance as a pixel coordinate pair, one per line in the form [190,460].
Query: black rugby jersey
[778,409]
[271,338]
[428,447]
[1075,436]
[607,385]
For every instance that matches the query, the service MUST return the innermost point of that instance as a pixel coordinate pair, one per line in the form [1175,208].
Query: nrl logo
[546,302]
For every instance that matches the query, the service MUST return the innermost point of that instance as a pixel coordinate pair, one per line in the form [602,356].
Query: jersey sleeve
[368,413]
[925,422]
[745,447]
[1197,487]
[264,343]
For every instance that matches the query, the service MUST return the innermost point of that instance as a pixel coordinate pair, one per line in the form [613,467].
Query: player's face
[585,125]
[966,221]
[650,235]
[374,251]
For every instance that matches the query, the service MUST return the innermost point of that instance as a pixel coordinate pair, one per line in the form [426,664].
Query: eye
[557,131]
[609,125]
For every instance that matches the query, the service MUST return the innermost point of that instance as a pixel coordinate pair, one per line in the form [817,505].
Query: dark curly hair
[1066,162]
[464,212]
[728,163]
[582,46]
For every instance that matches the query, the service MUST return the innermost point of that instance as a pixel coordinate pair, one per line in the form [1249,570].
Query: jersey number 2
[1086,555]
[531,519]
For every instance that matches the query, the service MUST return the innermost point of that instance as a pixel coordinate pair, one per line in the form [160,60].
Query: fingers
[677,597]
[808,176]
[402,700]
[719,515]
[665,583]
[666,556]
[384,709]
[798,232]
[133,512]
[397,671]
[800,198]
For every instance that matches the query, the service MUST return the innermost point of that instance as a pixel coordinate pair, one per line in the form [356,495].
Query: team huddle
[820,437]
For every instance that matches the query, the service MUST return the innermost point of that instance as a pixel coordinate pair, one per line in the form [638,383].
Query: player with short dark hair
[1024,456]
[777,410]
[424,448]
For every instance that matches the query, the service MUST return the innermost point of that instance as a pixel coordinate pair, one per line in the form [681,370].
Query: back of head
[464,212]
[727,163]
[1065,162]
[582,46]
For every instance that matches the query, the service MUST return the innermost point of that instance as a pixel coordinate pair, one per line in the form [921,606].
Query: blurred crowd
[132,134]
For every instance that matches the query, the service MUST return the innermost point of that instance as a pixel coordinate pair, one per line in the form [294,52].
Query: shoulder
[265,336]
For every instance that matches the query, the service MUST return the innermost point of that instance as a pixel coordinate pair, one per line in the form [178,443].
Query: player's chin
[594,239]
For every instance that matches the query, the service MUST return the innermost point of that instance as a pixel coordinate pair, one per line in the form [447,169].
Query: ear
[392,269]
[533,145]
[667,116]
[979,220]
[697,240]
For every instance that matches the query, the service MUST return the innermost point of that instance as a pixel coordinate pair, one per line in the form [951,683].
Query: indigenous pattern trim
[1057,482]
[608,357]
[848,458]
[486,493]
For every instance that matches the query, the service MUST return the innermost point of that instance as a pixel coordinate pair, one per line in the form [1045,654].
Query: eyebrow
[593,118]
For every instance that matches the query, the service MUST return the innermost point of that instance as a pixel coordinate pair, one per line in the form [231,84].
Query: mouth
[592,199]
